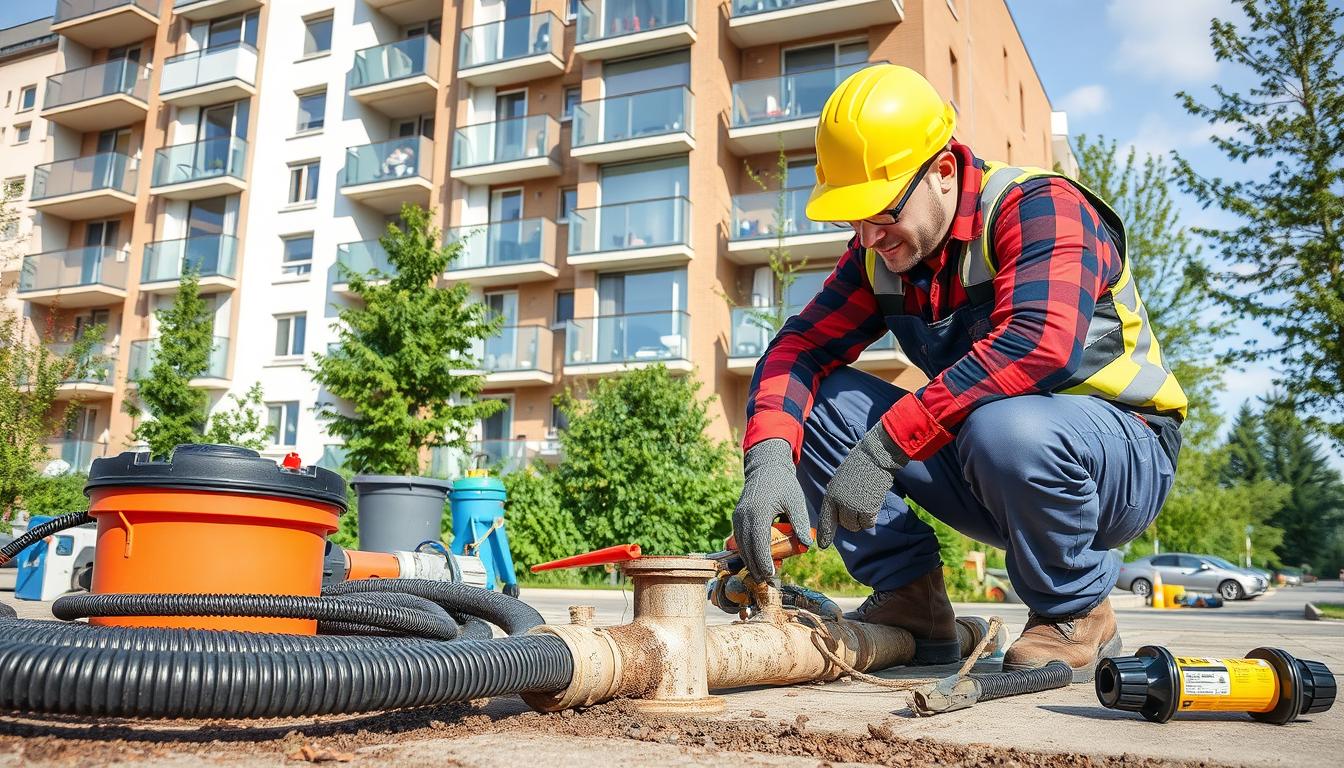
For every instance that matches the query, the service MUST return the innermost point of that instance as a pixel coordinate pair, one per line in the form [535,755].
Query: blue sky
[19,11]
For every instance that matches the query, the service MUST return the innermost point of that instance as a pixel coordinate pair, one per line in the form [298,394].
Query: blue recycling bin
[31,564]
[477,503]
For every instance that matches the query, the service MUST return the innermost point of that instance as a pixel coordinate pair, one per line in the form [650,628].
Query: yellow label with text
[1227,685]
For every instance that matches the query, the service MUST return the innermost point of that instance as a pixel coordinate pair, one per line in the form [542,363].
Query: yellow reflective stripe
[870,265]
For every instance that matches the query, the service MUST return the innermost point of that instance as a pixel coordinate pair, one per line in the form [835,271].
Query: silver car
[1197,573]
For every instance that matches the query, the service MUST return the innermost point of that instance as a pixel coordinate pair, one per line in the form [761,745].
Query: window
[10,218]
[569,197]
[298,255]
[289,333]
[1164,560]
[312,111]
[303,183]
[571,9]
[564,308]
[22,133]
[284,422]
[316,36]
[559,421]
[27,98]
[956,78]
[571,100]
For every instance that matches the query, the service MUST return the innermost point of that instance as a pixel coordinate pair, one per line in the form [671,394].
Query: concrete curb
[1311,612]
[1127,600]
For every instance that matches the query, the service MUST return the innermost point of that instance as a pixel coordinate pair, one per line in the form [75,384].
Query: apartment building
[590,155]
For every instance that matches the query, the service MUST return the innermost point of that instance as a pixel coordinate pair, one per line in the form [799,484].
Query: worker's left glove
[859,486]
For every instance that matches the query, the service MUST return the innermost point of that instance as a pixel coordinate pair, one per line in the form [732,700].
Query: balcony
[752,329]
[106,23]
[79,454]
[407,11]
[765,221]
[359,258]
[519,355]
[599,346]
[505,151]
[79,277]
[398,79]
[200,169]
[609,29]
[504,252]
[204,10]
[777,111]
[214,258]
[102,96]
[515,50]
[634,126]
[385,175]
[210,76]
[501,456]
[93,187]
[762,22]
[145,351]
[95,381]
[644,233]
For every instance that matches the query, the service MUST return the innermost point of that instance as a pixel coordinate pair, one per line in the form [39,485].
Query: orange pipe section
[371,565]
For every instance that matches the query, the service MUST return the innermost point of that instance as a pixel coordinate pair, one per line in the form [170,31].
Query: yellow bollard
[1172,594]
[1158,598]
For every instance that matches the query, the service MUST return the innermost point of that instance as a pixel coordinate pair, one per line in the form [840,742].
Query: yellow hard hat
[876,131]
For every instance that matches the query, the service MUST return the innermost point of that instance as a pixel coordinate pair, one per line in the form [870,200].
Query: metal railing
[632,116]
[400,158]
[145,351]
[207,255]
[105,170]
[503,244]
[623,226]
[231,61]
[503,141]
[361,258]
[630,338]
[74,268]
[757,215]
[603,19]
[509,39]
[116,76]
[388,63]
[73,9]
[197,160]
[795,96]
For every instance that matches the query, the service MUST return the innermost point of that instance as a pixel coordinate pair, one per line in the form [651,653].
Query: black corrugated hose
[51,667]
[41,532]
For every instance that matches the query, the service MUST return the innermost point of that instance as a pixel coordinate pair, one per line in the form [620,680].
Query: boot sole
[1082,674]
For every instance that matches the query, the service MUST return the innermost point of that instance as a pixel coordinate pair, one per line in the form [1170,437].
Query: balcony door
[636,96]
[120,72]
[99,238]
[641,316]
[113,147]
[232,29]
[219,125]
[207,220]
[496,431]
[509,109]
[806,94]
[501,350]
[514,42]
[78,438]
[641,205]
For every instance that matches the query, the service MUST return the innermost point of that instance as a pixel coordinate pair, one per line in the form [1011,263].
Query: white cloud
[1086,100]
[1166,40]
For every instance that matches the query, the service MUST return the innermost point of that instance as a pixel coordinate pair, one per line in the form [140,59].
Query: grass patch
[1331,610]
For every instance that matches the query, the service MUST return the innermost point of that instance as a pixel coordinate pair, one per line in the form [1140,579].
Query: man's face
[922,224]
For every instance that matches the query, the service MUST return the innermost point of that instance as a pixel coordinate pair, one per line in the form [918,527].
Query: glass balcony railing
[503,141]
[502,456]
[632,338]
[73,9]
[753,328]
[768,215]
[207,255]
[79,454]
[517,348]
[503,244]
[632,116]
[508,39]
[395,61]
[622,226]
[361,258]
[796,96]
[333,457]
[117,76]
[749,7]
[96,367]
[200,160]
[217,64]
[110,171]
[602,19]
[403,158]
[145,351]
[74,268]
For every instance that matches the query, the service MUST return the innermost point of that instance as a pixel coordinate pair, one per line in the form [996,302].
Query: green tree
[1313,512]
[540,527]
[405,346]
[783,267]
[30,375]
[177,409]
[638,467]
[55,496]
[1283,259]
[1245,448]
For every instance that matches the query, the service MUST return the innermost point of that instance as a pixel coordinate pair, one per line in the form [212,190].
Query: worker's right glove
[771,490]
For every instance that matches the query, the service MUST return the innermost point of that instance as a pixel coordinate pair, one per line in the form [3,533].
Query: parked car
[1289,577]
[1197,573]
[998,588]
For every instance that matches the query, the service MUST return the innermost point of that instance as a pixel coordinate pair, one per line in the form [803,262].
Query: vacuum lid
[219,468]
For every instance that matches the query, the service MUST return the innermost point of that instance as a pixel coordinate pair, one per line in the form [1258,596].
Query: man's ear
[946,166]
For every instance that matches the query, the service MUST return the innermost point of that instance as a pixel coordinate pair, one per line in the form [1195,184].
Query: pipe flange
[708,705]
[681,567]
[597,669]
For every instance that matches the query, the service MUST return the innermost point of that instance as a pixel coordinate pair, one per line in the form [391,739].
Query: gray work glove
[859,486]
[771,490]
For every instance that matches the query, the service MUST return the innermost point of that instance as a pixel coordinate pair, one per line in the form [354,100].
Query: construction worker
[1050,425]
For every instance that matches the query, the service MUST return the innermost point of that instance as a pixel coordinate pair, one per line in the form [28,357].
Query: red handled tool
[618,554]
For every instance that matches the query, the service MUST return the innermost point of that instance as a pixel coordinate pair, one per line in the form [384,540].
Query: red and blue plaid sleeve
[831,331]
[1054,259]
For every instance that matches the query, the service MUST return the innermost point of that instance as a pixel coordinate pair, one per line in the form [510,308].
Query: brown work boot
[1078,642]
[922,608]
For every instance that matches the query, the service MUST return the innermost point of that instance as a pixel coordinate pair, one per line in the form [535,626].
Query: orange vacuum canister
[214,519]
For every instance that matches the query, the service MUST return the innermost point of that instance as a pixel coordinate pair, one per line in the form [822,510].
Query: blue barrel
[477,503]
[31,564]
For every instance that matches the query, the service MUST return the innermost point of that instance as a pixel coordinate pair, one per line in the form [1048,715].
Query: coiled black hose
[42,531]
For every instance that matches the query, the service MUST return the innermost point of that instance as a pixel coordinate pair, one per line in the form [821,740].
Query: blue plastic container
[477,503]
[31,563]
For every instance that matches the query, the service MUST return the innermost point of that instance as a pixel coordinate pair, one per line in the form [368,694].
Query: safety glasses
[892,214]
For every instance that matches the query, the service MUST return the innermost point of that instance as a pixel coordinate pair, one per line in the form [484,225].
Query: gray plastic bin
[397,512]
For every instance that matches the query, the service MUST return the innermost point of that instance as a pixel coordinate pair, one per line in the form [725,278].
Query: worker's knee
[1010,439]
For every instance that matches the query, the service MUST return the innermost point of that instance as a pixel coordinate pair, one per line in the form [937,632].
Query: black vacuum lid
[219,468]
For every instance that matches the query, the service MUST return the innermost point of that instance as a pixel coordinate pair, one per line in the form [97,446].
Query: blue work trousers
[1056,481]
